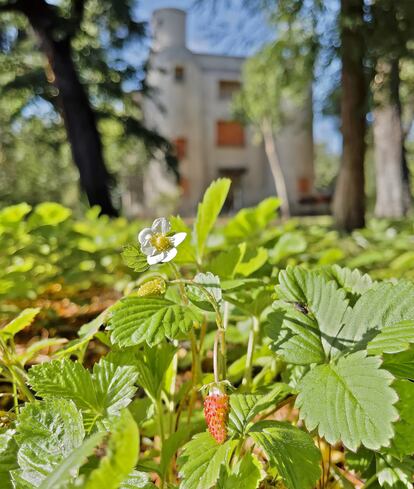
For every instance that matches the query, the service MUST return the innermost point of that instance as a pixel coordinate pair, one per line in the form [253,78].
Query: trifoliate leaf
[47,433]
[384,304]
[323,301]
[400,364]
[392,339]
[247,474]
[244,407]
[69,466]
[291,451]
[208,212]
[121,454]
[200,297]
[295,337]
[201,461]
[134,258]
[137,480]
[150,319]
[393,473]
[353,281]
[349,400]
[105,391]
[403,442]
[8,457]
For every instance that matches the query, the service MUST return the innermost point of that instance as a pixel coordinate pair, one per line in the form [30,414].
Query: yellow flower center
[160,242]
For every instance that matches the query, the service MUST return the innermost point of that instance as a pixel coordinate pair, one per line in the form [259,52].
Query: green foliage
[99,394]
[47,434]
[342,391]
[134,258]
[139,319]
[202,460]
[403,441]
[121,455]
[309,356]
[291,451]
[208,212]
[24,319]
[247,474]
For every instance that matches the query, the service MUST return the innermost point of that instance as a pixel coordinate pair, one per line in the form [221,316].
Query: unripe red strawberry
[216,412]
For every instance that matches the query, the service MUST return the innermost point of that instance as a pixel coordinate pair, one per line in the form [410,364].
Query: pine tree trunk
[77,113]
[388,143]
[275,167]
[349,198]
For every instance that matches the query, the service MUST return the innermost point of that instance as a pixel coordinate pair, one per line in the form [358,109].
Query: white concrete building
[191,106]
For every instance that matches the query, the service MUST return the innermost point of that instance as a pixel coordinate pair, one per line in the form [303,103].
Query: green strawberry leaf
[403,442]
[105,391]
[349,400]
[291,451]
[295,336]
[247,474]
[199,297]
[208,212]
[324,302]
[244,407]
[400,364]
[201,461]
[121,454]
[24,319]
[393,473]
[139,319]
[8,457]
[134,258]
[65,470]
[47,433]
[392,339]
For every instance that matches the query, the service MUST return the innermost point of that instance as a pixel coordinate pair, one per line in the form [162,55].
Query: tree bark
[77,113]
[349,198]
[275,167]
[388,142]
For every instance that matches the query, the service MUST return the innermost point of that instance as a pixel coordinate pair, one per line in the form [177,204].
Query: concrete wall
[191,109]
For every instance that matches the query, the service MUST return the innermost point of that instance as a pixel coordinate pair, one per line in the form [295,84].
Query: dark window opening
[227,88]
[179,73]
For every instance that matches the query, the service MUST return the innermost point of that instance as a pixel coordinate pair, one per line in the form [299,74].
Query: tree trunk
[388,142]
[77,113]
[275,167]
[349,198]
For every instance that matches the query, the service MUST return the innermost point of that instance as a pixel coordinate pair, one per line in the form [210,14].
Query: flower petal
[153,260]
[178,238]
[144,235]
[170,254]
[148,249]
[161,225]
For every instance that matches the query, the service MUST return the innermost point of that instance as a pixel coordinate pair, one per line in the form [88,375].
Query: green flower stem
[254,332]
[370,481]
[17,376]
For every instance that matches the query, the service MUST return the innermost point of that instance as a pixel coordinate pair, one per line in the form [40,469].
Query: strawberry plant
[226,364]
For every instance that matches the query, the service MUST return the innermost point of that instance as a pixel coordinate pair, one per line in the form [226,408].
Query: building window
[303,185]
[227,88]
[180,148]
[230,133]
[179,74]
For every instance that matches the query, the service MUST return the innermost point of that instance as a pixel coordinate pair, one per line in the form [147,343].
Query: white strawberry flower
[156,244]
